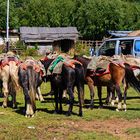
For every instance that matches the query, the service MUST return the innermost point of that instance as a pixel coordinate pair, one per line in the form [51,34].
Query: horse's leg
[28,107]
[27,101]
[119,93]
[12,92]
[71,99]
[90,84]
[65,94]
[113,97]
[14,99]
[5,91]
[99,88]
[39,94]
[60,99]
[117,76]
[125,95]
[56,100]
[109,95]
[80,89]
[1,88]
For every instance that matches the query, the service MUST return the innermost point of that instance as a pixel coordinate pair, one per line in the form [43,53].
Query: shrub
[81,49]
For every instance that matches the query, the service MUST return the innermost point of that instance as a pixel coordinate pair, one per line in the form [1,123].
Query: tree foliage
[93,18]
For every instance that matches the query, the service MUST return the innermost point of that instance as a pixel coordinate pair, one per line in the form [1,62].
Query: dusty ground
[116,127]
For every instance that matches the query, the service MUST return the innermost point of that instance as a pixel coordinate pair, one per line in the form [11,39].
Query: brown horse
[112,79]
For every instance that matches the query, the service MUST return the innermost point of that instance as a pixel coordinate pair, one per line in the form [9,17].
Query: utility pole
[7,28]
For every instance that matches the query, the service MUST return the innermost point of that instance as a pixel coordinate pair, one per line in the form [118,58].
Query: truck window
[108,48]
[137,46]
[125,47]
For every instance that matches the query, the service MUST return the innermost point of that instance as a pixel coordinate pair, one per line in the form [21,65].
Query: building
[13,36]
[53,38]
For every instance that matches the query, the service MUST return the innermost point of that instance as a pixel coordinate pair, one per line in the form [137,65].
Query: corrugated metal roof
[119,33]
[46,33]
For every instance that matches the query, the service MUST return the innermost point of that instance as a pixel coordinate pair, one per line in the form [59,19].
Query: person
[91,51]
[122,48]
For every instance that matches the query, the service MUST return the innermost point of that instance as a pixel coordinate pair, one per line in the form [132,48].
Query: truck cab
[117,46]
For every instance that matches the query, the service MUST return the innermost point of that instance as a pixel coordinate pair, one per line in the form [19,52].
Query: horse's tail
[31,85]
[79,70]
[131,79]
[13,70]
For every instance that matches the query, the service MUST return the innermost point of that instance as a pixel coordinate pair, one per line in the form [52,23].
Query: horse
[30,79]
[134,62]
[135,66]
[112,79]
[66,80]
[9,77]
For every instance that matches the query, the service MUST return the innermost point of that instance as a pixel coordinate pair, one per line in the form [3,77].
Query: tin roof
[48,34]
[119,33]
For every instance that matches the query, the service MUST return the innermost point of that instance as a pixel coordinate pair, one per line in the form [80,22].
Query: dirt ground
[116,127]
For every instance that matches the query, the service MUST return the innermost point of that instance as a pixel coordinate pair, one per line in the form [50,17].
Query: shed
[47,38]
[13,36]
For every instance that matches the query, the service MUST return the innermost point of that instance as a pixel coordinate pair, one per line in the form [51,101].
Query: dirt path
[116,127]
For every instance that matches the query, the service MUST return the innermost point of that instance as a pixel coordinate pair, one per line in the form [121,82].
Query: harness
[5,61]
[101,72]
[35,65]
[56,65]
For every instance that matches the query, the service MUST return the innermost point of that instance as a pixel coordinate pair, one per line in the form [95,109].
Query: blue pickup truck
[116,46]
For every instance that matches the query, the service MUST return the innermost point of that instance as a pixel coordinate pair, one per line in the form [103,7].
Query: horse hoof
[3,106]
[68,114]
[42,100]
[91,107]
[100,107]
[117,110]
[112,104]
[14,107]
[27,116]
[80,115]
[55,112]
[32,116]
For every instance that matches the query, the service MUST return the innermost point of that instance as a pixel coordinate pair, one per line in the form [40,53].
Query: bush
[81,49]
[31,52]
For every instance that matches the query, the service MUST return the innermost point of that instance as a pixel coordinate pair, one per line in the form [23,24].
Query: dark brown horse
[113,79]
[66,80]
[30,78]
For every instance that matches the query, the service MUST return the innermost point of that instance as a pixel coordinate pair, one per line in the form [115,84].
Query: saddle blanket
[56,66]
[101,64]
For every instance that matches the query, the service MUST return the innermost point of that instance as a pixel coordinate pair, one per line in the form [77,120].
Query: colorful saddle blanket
[56,66]
[5,60]
[100,65]
[37,66]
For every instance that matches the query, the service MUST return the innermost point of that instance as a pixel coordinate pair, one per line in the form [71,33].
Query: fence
[90,43]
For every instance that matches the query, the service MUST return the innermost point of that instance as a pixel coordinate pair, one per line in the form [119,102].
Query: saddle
[101,64]
[37,66]
[5,61]
[56,66]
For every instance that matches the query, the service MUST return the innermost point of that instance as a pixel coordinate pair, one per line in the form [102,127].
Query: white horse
[9,76]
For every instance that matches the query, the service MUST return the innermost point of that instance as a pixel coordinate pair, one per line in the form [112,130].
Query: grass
[133,131]
[46,125]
